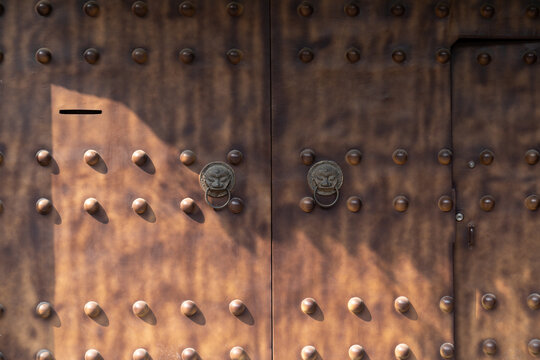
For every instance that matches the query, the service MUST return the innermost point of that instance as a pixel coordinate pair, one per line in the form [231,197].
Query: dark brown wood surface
[211,106]
[495,107]
[162,107]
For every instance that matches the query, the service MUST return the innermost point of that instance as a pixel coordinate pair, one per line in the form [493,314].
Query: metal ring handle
[325,205]
[220,206]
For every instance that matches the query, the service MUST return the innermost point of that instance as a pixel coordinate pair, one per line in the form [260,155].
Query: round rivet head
[489,301]
[483,59]
[356,352]
[487,157]
[353,157]
[355,305]
[530,57]
[306,55]
[43,157]
[44,354]
[236,205]
[139,157]
[400,156]
[351,9]
[443,56]
[305,9]
[186,9]
[533,301]
[235,9]
[487,11]
[489,347]
[187,157]
[237,307]
[445,156]
[189,308]
[402,351]
[238,353]
[308,306]
[446,304]
[402,304]
[91,206]
[442,9]
[308,353]
[307,204]
[235,157]
[92,309]
[445,203]
[487,203]
[139,205]
[401,203]
[531,202]
[44,309]
[43,8]
[91,8]
[91,157]
[139,8]
[44,206]
[234,56]
[44,56]
[534,347]
[471,164]
[399,56]
[91,55]
[532,156]
[92,354]
[397,9]
[139,55]
[187,56]
[189,354]
[140,308]
[187,205]
[533,11]
[353,55]
[141,354]
[354,204]
[307,156]
[447,351]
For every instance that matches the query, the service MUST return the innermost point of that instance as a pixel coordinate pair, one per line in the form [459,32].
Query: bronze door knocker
[217,180]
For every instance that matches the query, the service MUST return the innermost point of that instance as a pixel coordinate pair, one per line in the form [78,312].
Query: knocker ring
[326,205]
[217,207]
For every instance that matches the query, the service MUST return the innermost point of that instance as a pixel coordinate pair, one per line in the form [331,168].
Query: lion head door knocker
[325,179]
[217,180]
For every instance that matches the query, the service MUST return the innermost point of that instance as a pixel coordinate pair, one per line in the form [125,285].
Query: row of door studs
[304,9]
[307,156]
[308,306]
[306,55]
[140,206]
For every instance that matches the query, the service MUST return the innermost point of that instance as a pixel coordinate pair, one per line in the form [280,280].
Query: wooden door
[496,135]
[115,78]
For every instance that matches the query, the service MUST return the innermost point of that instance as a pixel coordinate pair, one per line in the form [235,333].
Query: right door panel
[496,136]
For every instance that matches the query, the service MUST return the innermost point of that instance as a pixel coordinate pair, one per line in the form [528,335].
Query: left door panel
[158,101]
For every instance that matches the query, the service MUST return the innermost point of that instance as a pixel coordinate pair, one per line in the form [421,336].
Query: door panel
[116,256]
[375,105]
[495,108]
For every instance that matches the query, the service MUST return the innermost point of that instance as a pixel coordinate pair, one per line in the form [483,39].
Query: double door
[378,183]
